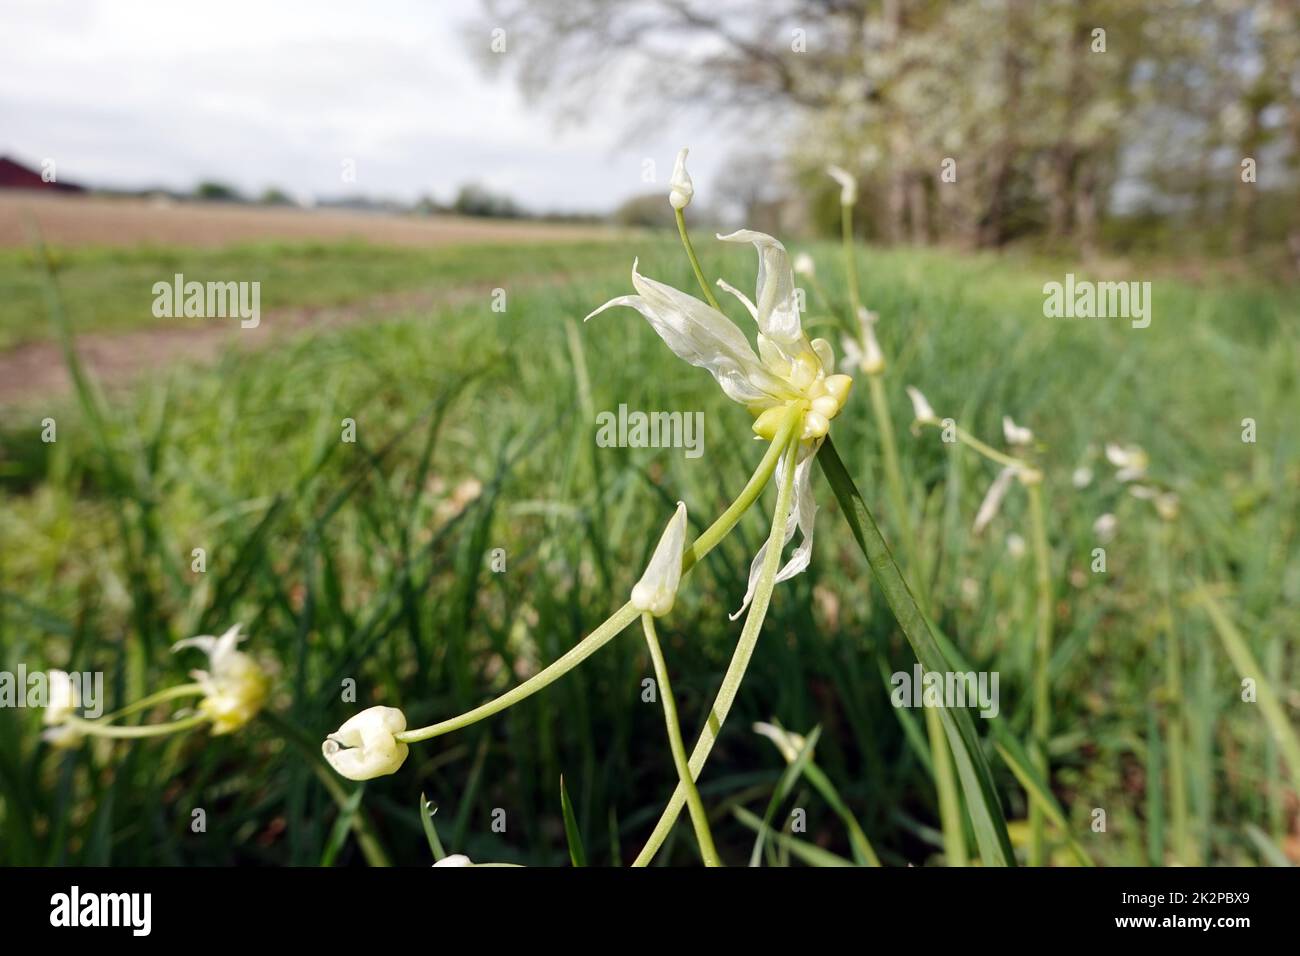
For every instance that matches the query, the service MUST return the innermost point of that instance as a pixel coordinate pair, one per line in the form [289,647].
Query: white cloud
[279,93]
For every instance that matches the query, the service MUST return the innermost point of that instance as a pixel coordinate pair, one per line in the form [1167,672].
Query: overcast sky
[269,93]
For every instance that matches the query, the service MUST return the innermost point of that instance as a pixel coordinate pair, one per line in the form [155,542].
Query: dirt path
[37,372]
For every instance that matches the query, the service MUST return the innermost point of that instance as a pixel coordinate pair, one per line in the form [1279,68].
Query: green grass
[356,561]
[110,289]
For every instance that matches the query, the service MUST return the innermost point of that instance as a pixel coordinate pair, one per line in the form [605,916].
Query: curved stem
[1042,709]
[93,728]
[739,660]
[850,263]
[695,262]
[625,615]
[171,693]
[699,818]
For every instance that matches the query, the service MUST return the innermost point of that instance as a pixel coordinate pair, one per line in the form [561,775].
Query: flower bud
[921,409]
[657,589]
[456,859]
[682,190]
[848,184]
[371,748]
[1015,434]
[804,266]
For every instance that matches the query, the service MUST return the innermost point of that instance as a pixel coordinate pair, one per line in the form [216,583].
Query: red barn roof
[14,175]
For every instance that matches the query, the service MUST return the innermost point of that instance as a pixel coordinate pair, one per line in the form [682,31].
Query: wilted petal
[776,306]
[657,589]
[787,742]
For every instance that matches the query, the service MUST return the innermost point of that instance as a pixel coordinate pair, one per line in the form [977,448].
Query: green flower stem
[171,693]
[625,615]
[695,262]
[1173,700]
[972,766]
[740,659]
[966,438]
[894,475]
[96,729]
[1042,704]
[699,818]
[850,262]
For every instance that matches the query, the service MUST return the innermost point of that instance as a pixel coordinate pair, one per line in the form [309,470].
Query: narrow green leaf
[988,821]
[1014,754]
[808,852]
[791,773]
[427,810]
[576,853]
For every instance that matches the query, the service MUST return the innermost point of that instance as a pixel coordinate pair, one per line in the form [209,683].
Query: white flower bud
[921,409]
[804,265]
[848,184]
[1104,527]
[682,189]
[657,589]
[1082,477]
[371,749]
[1015,546]
[456,859]
[1131,462]
[1015,434]
[63,699]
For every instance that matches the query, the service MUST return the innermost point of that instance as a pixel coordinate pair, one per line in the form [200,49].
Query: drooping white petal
[682,191]
[775,301]
[802,516]
[825,353]
[657,589]
[703,337]
[993,499]
[372,750]
[848,184]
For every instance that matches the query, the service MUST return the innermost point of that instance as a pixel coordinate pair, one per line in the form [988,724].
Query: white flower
[372,750]
[867,355]
[1131,461]
[921,410]
[235,688]
[1015,546]
[657,589]
[804,265]
[63,700]
[683,190]
[1104,527]
[848,184]
[787,742]
[1082,477]
[789,372]
[1015,434]
[456,859]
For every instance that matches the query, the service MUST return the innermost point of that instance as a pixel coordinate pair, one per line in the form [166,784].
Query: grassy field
[475,431]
